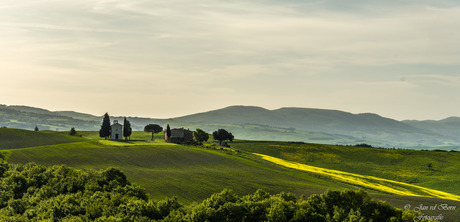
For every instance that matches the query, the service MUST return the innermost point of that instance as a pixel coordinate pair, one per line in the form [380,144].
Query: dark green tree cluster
[73,132]
[200,136]
[222,135]
[33,192]
[261,206]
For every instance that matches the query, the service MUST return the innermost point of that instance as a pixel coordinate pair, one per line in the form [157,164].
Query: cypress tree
[127,129]
[168,131]
[105,127]
[36,129]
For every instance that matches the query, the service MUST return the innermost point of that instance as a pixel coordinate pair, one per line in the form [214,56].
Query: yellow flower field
[370,182]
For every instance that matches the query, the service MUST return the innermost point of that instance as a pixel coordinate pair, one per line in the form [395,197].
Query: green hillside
[407,166]
[16,138]
[79,116]
[165,170]
[23,117]
[193,173]
[449,126]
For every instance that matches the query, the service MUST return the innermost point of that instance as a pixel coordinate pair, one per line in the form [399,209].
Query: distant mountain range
[250,122]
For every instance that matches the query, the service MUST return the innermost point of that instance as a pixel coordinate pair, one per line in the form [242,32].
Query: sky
[162,59]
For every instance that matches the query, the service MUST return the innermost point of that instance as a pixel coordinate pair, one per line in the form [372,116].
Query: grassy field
[16,138]
[408,166]
[370,182]
[165,170]
[194,173]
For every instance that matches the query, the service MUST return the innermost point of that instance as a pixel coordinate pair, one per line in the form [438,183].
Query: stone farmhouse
[179,135]
[117,131]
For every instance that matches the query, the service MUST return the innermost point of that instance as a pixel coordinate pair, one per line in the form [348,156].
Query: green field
[165,170]
[16,138]
[408,166]
[193,173]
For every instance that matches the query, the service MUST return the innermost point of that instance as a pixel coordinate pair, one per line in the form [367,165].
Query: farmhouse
[117,131]
[179,135]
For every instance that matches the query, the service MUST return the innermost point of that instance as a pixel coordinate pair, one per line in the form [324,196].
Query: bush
[35,193]
[363,145]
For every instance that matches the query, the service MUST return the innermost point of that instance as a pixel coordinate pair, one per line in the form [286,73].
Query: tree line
[34,192]
[199,135]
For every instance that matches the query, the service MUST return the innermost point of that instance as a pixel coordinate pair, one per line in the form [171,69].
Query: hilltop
[257,123]
[17,138]
[24,117]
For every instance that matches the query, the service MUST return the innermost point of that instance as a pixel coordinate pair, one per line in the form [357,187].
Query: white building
[117,131]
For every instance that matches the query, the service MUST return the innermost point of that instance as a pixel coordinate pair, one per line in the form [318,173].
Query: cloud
[229,48]
[437,79]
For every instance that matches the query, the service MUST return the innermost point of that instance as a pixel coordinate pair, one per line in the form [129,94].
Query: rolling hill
[449,126]
[16,138]
[408,166]
[366,127]
[166,170]
[23,117]
[256,123]
[193,173]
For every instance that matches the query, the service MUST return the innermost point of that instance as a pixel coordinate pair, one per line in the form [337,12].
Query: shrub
[35,193]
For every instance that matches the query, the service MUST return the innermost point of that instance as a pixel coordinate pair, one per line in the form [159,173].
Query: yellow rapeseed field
[370,182]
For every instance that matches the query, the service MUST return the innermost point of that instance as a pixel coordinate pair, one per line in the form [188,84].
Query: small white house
[117,131]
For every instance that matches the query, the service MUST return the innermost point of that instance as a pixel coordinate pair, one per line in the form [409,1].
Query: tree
[200,136]
[222,135]
[153,128]
[36,129]
[72,132]
[168,131]
[127,131]
[105,127]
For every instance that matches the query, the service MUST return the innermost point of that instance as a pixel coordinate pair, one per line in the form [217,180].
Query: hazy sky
[399,59]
